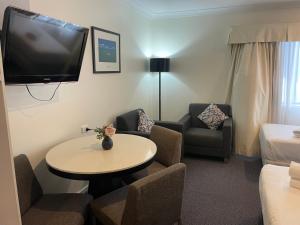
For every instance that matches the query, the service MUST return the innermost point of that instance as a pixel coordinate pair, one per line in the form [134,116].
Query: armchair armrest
[228,135]
[170,125]
[228,124]
[185,121]
[138,133]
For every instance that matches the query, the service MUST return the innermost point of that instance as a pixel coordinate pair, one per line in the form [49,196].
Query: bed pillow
[145,123]
[212,116]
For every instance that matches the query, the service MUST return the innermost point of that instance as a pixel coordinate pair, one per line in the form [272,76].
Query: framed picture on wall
[106,51]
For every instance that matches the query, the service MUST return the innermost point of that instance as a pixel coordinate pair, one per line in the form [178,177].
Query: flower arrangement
[105,131]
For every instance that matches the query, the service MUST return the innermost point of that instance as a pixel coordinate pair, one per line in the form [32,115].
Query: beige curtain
[250,92]
[278,32]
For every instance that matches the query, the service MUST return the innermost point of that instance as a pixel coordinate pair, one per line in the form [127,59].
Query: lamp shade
[159,65]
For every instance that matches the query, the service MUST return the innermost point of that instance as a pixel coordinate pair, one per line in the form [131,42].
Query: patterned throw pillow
[212,116]
[145,123]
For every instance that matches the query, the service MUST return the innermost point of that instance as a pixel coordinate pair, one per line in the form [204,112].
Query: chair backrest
[128,121]
[29,189]
[196,108]
[156,199]
[169,143]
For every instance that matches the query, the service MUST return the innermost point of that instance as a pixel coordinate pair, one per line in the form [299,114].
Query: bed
[280,202]
[278,144]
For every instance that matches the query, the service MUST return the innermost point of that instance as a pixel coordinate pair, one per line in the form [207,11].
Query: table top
[85,156]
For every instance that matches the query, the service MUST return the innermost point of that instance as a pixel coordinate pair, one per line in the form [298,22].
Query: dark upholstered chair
[168,144]
[127,123]
[198,139]
[153,200]
[47,209]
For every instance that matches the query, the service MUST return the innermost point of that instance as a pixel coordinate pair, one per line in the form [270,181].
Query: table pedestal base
[102,186]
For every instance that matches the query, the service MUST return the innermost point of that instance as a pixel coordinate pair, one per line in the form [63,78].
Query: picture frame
[106,50]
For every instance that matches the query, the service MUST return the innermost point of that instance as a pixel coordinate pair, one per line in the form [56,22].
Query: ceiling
[187,7]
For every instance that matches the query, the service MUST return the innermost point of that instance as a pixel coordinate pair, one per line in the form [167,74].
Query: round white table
[84,159]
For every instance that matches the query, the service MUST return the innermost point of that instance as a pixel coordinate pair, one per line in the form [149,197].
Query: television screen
[40,49]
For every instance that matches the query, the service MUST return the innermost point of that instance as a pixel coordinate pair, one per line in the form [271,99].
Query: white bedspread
[278,144]
[280,202]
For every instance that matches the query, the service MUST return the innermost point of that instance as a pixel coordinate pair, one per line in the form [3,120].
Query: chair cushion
[109,208]
[58,209]
[203,137]
[153,168]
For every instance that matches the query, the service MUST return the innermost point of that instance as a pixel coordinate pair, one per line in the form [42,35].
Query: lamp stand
[159,65]
[159,100]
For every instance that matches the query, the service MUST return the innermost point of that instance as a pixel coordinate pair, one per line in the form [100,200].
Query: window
[289,69]
[297,90]
[287,84]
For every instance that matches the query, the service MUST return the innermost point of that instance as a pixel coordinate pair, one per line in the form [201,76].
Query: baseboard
[84,189]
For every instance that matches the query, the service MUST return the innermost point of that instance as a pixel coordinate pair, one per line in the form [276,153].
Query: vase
[107,143]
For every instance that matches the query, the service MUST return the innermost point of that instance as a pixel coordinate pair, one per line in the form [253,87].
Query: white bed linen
[278,144]
[280,202]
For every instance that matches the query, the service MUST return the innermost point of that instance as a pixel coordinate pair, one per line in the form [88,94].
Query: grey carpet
[218,193]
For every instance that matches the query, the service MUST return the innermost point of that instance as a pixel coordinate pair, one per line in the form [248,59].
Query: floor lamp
[159,65]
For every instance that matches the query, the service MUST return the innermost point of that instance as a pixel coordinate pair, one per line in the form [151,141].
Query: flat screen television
[40,49]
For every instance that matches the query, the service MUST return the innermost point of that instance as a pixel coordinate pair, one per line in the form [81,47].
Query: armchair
[37,208]
[198,139]
[127,123]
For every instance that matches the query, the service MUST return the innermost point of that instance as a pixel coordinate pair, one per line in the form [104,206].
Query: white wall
[199,56]
[94,100]
[23,4]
